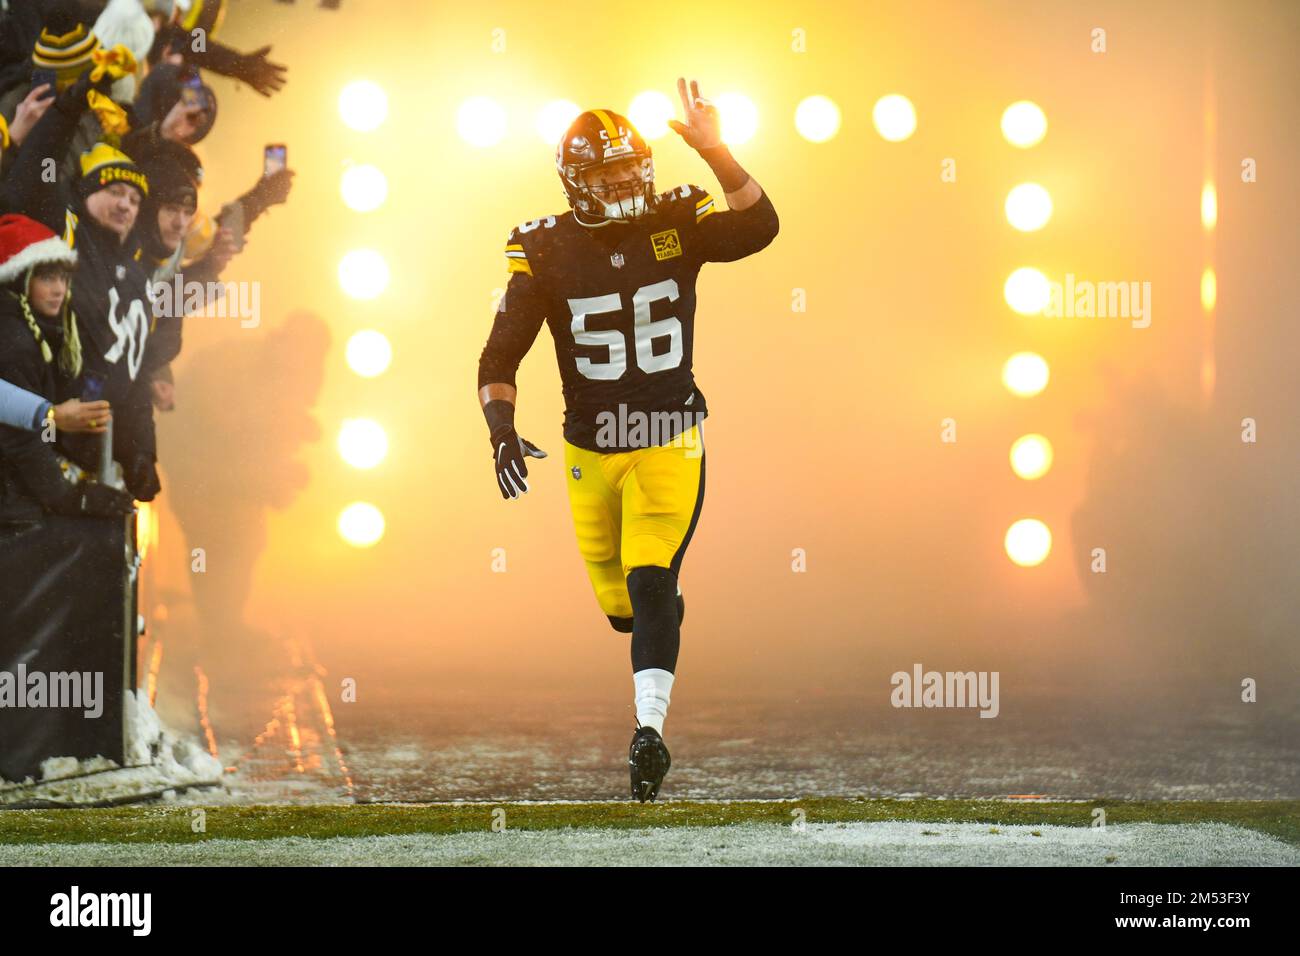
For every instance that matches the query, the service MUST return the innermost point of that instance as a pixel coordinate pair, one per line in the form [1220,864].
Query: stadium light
[1025,374]
[364,188]
[363,273]
[1209,290]
[362,442]
[481,121]
[650,112]
[1028,542]
[554,118]
[739,118]
[363,105]
[894,117]
[1024,124]
[368,353]
[817,118]
[361,524]
[1209,206]
[1027,291]
[1028,207]
[1031,456]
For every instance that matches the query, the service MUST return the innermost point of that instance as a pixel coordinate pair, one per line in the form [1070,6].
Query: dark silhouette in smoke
[1202,588]
[230,449]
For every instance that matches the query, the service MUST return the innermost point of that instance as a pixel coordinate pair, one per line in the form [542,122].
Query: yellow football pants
[634,509]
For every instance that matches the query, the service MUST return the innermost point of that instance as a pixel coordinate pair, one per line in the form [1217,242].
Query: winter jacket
[34,476]
[20,408]
[110,295]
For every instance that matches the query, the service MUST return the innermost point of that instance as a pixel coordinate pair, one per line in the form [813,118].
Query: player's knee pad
[624,624]
[656,635]
[652,587]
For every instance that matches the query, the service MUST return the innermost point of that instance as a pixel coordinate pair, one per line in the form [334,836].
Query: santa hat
[25,243]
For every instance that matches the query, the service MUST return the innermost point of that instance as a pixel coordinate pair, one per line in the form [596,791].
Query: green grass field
[172,823]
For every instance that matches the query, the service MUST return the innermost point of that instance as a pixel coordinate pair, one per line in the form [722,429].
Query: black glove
[72,101]
[511,453]
[259,72]
[99,501]
[142,478]
[270,191]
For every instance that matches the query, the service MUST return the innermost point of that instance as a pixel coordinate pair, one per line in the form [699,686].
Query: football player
[614,280]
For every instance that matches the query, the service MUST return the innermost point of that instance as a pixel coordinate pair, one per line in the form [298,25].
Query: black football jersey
[620,303]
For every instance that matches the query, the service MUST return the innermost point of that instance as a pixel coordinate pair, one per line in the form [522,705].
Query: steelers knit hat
[64,46]
[102,165]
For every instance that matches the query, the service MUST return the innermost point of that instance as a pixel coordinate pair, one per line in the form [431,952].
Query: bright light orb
[894,117]
[364,188]
[1024,124]
[1209,206]
[362,443]
[363,106]
[554,118]
[1025,374]
[650,112]
[1031,456]
[739,117]
[1028,542]
[361,524]
[1028,207]
[363,274]
[1027,291]
[481,121]
[817,119]
[369,353]
[1209,290]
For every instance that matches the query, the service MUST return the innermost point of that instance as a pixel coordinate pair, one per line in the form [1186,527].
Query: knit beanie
[102,165]
[65,45]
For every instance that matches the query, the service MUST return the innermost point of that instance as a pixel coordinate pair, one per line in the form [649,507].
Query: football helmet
[603,138]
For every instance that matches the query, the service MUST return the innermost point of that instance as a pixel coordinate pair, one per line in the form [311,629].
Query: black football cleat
[648,761]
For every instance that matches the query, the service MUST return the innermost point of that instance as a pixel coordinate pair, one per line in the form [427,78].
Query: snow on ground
[157,761]
[847,844]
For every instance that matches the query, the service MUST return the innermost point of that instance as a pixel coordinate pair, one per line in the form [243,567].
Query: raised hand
[703,126]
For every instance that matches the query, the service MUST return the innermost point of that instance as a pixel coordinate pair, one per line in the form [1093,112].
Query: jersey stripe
[517,259]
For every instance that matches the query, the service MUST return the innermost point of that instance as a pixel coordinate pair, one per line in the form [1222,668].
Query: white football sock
[653,688]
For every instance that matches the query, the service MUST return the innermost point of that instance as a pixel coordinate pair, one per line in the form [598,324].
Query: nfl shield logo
[577,472]
[616,260]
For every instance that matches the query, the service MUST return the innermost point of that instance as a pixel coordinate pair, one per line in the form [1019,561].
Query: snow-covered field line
[754,844]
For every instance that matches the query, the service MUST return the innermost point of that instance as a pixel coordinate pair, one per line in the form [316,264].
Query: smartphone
[92,386]
[276,158]
[44,78]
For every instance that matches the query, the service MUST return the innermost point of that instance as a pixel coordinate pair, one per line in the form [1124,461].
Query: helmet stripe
[610,128]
